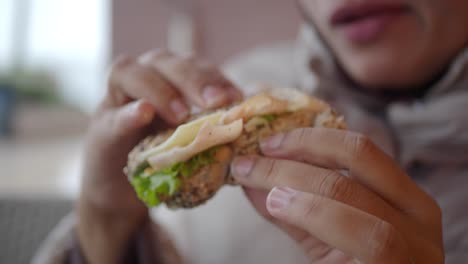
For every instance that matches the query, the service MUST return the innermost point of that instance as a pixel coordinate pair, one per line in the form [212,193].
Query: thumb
[131,118]
[116,131]
[259,198]
[122,126]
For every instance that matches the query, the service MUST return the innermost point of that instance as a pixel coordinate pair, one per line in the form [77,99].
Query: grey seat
[24,224]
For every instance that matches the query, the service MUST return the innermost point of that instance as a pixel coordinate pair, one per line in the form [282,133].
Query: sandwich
[186,166]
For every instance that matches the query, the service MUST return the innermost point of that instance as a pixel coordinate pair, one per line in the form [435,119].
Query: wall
[226,26]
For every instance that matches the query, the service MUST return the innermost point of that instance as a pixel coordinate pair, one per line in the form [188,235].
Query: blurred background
[53,60]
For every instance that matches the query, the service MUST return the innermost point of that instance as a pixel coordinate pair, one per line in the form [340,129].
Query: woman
[398,70]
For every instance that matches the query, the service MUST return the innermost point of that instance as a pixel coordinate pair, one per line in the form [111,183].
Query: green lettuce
[270,117]
[150,186]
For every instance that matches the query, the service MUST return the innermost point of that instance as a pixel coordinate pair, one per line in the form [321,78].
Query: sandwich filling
[150,184]
[193,146]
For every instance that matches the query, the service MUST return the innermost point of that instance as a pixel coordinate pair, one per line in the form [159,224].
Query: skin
[417,47]
[145,95]
[376,214]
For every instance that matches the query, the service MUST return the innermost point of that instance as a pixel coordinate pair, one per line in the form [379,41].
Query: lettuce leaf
[150,185]
[270,117]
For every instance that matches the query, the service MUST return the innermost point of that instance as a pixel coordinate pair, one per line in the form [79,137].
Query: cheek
[397,59]
[395,53]
[409,51]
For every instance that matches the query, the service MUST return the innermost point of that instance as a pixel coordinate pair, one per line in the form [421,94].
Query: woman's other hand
[342,199]
[145,95]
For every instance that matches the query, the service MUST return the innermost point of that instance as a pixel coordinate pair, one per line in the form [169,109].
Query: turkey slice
[208,136]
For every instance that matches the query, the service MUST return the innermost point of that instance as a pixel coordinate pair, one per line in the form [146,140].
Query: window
[69,39]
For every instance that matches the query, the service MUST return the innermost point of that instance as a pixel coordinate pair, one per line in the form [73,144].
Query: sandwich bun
[184,168]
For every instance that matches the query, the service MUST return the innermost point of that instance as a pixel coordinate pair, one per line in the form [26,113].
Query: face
[391,44]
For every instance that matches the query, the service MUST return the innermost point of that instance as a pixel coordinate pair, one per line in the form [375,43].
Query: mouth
[364,22]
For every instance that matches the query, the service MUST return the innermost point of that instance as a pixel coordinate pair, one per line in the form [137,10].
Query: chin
[374,80]
[380,74]
[393,61]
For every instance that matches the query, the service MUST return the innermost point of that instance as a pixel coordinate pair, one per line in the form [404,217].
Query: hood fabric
[432,130]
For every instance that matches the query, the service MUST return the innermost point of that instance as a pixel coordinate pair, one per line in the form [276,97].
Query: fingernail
[272,143]
[213,96]
[242,167]
[146,112]
[146,117]
[280,198]
[140,112]
[179,109]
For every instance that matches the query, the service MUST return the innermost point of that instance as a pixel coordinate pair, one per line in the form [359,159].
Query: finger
[136,81]
[266,173]
[128,119]
[122,127]
[348,229]
[132,117]
[258,199]
[202,83]
[339,149]
[311,245]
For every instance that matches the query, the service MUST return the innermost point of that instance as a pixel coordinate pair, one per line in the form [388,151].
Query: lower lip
[369,29]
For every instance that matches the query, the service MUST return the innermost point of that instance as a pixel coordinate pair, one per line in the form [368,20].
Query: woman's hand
[342,199]
[145,95]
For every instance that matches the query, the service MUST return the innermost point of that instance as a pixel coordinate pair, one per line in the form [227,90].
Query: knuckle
[182,70]
[324,186]
[145,77]
[184,64]
[270,168]
[312,207]
[297,143]
[194,73]
[139,76]
[336,187]
[358,144]
[201,64]
[299,139]
[153,56]
[383,240]
[302,136]
[149,79]
[201,78]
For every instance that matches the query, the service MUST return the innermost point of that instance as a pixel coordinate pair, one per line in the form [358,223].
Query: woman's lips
[364,23]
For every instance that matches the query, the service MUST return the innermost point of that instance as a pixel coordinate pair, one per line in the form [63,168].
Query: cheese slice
[254,106]
[208,136]
[276,101]
[183,135]
[225,126]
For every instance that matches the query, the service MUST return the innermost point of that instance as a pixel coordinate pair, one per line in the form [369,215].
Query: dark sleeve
[150,244]
[142,248]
